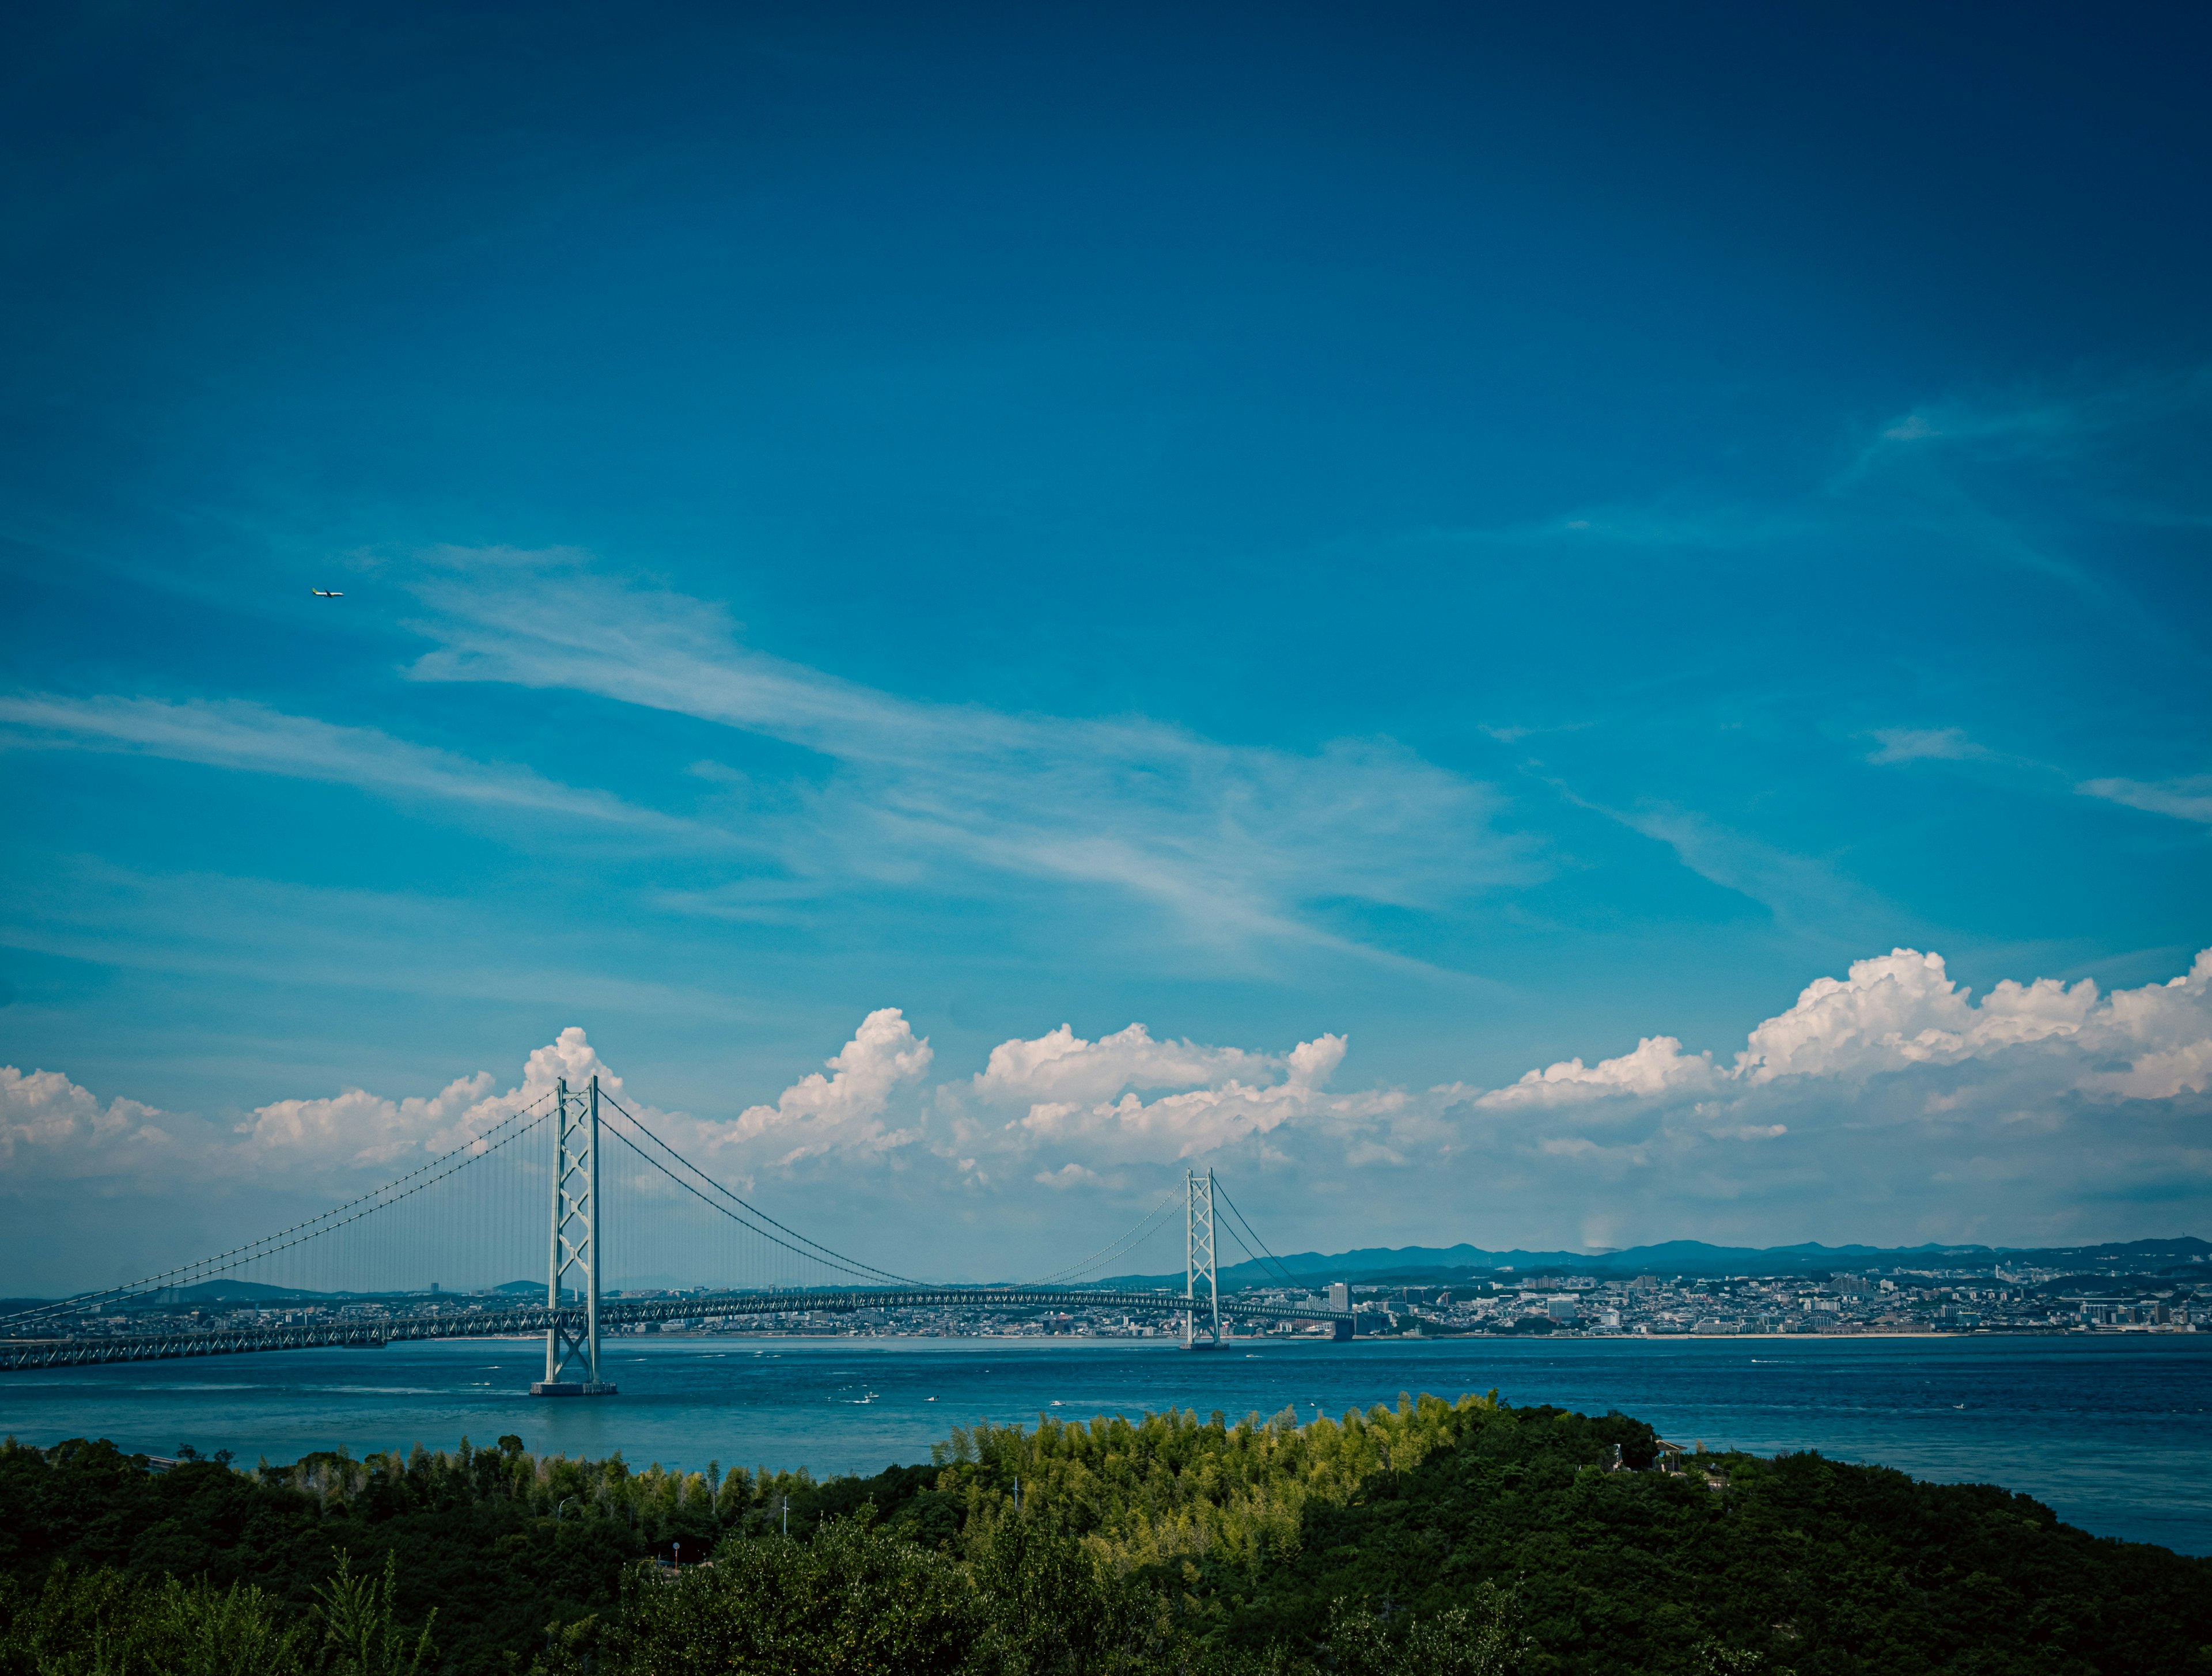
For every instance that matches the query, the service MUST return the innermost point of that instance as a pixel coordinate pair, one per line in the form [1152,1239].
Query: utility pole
[574,1251]
[1198,1260]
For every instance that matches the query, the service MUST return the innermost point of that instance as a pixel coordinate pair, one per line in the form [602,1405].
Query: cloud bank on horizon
[1889,1105]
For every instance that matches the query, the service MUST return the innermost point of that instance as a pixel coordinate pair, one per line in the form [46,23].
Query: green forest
[1432,1537]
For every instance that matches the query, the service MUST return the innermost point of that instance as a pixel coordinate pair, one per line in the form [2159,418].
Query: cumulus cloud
[356,1130]
[1658,1066]
[1175,1126]
[1061,1066]
[1067,1176]
[1888,1103]
[50,1127]
[1902,1010]
[844,1111]
[1229,1111]
[1894,1092]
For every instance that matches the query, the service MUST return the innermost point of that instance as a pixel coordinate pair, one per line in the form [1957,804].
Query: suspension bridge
[577,1175]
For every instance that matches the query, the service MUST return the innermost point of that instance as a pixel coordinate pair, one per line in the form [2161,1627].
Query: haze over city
[1505,628]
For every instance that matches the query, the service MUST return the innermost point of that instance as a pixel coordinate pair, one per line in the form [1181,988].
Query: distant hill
[1424,1265]
[1433,1264]
[232,1291]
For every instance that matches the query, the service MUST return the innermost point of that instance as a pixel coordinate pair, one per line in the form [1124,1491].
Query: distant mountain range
[1431,1265]
[1428,1265]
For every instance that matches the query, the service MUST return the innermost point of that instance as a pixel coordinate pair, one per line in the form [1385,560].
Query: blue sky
[1494,538]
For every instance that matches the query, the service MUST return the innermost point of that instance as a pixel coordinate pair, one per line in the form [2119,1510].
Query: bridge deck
[477,1322]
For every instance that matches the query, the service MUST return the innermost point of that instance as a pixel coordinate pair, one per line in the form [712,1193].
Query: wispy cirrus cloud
[237,734]
[1806,892]
[1670,525]
[201,928]
[2189,799]
[1234,842]
[1915,744]
[1934,470]
[2047,421]
[1897,476]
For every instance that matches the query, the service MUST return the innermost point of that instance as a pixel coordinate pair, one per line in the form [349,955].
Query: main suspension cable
[1128,1241]
[1279,1269]
[268,1245]
[645,1157]
[815,1250]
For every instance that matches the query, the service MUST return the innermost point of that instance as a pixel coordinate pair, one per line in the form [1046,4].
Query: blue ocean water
[2113,1432]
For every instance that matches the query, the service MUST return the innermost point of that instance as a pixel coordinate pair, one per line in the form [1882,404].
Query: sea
[2112,1431]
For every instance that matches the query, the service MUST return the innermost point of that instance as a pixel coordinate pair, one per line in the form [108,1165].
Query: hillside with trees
[1430,1537]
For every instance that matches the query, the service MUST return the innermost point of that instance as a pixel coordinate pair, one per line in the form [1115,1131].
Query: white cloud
[1903,1009]
[1897,1011]
[233,733]
[1889,1104]
[1067,1176]
[1175,1126]
[1226,1111]
[843,1112]
[1313,1063]
[1235,841]
[358,1129]
[52,1128]
[2051,422]
[1892,1102]
[1061,1066]
[1801,890]
[1913,744]
[2187,799]
[1658,1066]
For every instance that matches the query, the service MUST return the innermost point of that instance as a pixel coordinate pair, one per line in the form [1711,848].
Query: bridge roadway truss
[22,1354]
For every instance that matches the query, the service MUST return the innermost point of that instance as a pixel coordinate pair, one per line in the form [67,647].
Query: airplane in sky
[328,594]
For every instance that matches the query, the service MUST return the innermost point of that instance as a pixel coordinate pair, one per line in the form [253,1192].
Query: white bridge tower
[574,1263]
[1197,1261]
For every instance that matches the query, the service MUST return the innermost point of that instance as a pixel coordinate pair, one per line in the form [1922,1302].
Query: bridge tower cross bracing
[572,1335]
[1197,1261]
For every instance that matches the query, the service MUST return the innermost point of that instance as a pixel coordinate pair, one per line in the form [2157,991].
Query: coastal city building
[1989,1299]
